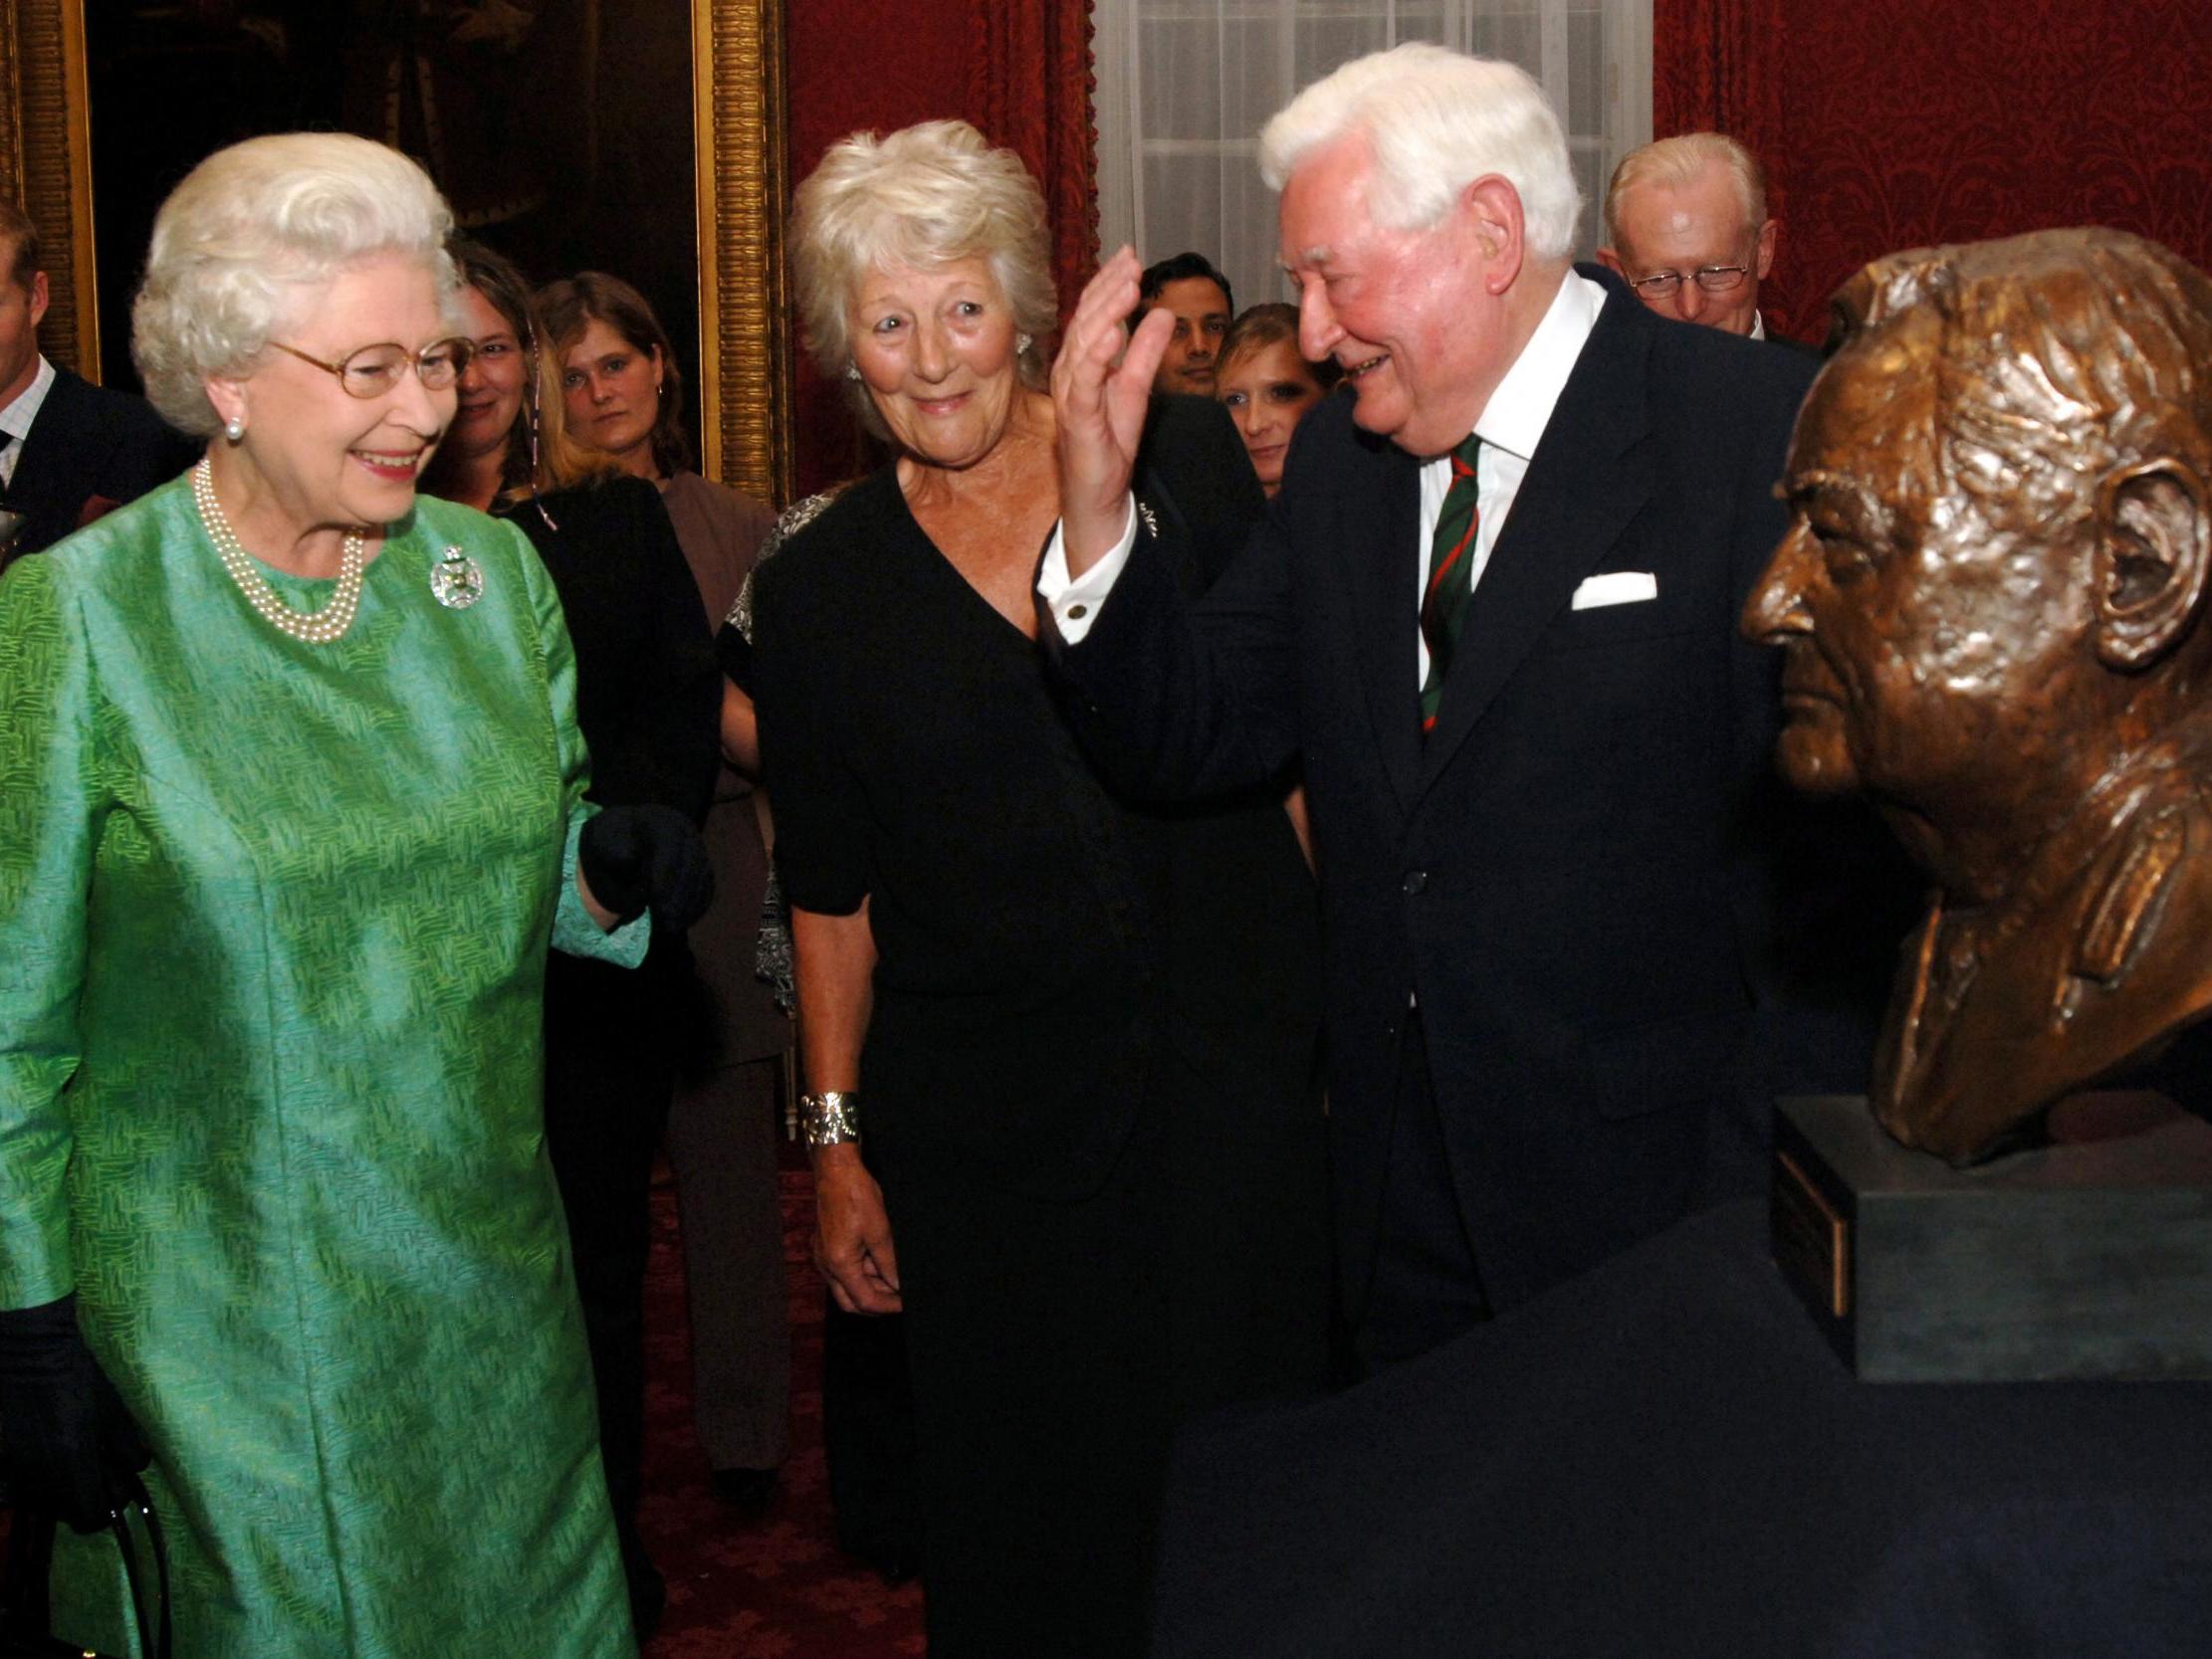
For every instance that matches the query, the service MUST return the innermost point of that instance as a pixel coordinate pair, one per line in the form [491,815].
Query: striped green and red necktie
[1443,601]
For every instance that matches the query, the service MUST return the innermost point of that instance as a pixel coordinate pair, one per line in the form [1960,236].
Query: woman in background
[487,452]
[625,396]
[294,808]
[648,696]
[622,395]
[1267,387]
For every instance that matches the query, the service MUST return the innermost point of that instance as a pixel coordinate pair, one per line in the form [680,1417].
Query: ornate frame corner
[738,112]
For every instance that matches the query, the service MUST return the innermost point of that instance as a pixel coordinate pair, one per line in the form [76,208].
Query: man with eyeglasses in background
[1687,227]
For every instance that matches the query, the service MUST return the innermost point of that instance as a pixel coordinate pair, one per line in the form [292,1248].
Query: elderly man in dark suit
[69,450]
[1491,613]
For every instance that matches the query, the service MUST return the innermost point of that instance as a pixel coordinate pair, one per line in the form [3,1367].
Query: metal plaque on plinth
[2087,1258]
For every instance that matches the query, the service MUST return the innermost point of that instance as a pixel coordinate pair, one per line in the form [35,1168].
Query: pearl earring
[235,428]
[1021,343]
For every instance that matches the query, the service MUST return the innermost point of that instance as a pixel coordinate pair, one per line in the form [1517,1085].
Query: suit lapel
[1378,570]
[1589,477]
[41,486]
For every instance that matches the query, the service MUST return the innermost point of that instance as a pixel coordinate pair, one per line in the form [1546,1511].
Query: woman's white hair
[248,235]
[921,197]
[1438,121]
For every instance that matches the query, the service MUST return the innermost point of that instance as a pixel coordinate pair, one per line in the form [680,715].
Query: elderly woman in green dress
[291,802]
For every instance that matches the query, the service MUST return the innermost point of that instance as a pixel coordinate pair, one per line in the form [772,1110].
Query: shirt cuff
[575,933]
[1074,604]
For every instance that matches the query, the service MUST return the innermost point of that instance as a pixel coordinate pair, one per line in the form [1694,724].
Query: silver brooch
[456,580]
[1151,518]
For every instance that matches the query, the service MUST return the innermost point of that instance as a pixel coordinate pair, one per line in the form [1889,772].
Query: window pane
[1209,73]
[1179,78]
[1256,79]
[1585,100]
[1593,166]
[1430,22]
[1183,204]
[1515,34]
[1326,42]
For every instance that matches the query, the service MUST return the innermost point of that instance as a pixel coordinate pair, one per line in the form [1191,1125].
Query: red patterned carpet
[778,1588]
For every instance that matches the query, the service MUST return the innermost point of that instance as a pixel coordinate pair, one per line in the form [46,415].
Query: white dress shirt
[16,418]
[1510,425]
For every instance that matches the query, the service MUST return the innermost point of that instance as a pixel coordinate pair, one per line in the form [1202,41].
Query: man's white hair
[1438,121]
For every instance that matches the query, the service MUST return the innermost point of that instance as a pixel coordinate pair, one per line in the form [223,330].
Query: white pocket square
[1615,587]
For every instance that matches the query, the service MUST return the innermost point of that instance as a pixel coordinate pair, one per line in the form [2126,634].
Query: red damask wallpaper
[1893,123]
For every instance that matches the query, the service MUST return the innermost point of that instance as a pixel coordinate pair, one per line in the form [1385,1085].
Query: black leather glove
[67,1443]
[640,857]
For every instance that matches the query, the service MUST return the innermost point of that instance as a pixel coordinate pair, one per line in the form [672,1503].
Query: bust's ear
[2153,560]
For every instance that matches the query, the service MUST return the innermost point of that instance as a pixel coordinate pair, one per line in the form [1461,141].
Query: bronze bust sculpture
[1991,598]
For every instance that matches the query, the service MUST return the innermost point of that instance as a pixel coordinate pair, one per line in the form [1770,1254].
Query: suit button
[1416,881]
[1076,613]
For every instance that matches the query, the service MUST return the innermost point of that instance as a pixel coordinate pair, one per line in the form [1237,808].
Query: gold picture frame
[738,173]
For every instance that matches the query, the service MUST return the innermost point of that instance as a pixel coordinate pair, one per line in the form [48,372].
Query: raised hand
[1100,390]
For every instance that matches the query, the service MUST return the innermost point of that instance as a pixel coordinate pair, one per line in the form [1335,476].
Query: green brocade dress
[275,920]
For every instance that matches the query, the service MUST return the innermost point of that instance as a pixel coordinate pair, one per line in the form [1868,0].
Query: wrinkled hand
[66,1442]
[852,1234]
[635,858]
[1099,393]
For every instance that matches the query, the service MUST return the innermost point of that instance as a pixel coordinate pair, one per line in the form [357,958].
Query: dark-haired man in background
[1199,296]
[70,450]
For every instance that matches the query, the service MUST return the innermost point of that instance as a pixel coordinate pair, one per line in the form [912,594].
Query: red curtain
[1895,123]
[1712,69]
[1029,87]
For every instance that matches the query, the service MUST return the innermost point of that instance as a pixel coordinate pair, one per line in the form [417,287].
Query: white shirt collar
[1520,408]
[17,417]
[1759,325]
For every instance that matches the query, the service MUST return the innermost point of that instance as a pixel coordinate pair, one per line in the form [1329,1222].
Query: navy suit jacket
[1567,873]
[89,449]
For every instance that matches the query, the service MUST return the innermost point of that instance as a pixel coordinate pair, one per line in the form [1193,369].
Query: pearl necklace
[322,627]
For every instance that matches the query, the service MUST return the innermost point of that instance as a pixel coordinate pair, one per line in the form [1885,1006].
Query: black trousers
[868,1437]
[1427,1287]
[1058,1342]
[610,1071]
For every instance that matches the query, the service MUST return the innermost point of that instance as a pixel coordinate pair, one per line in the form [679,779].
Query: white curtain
[1184,87]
